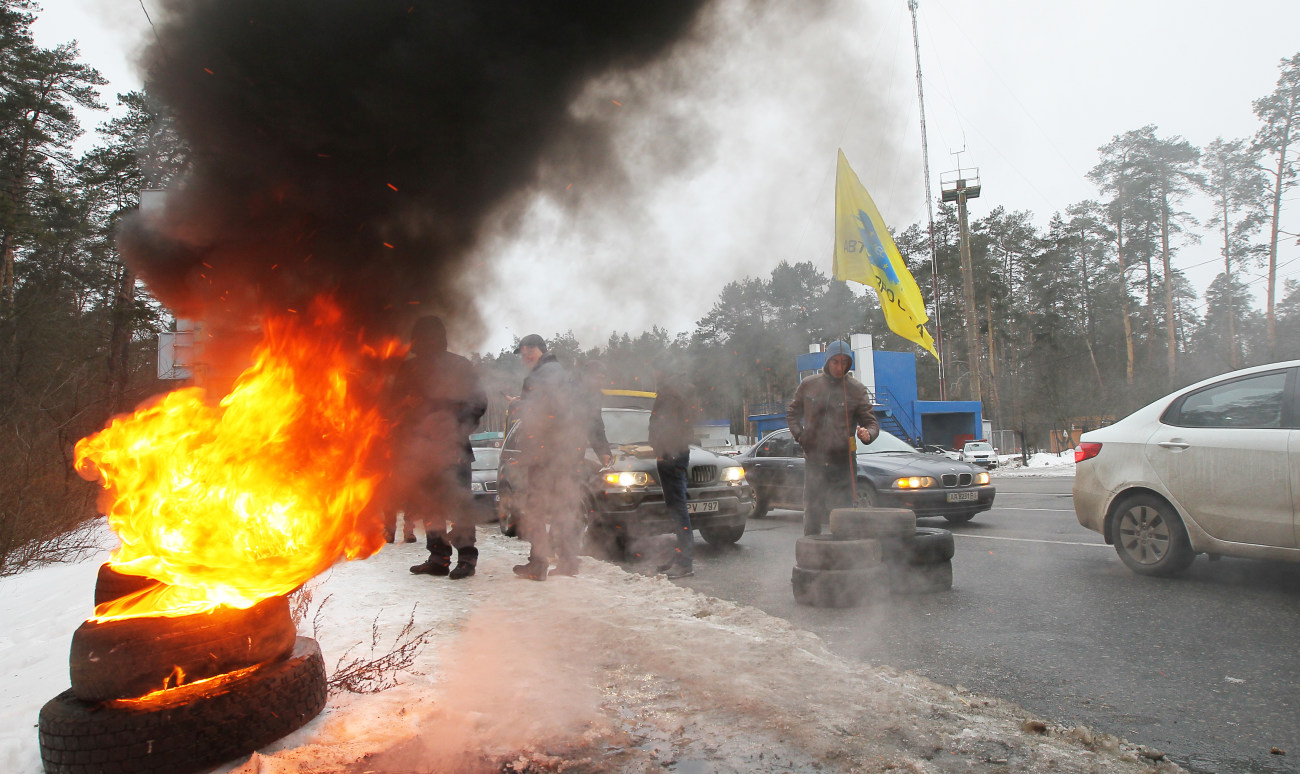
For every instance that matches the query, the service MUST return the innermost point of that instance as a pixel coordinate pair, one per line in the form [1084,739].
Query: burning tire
[192,728]
[839,588]
[111,584]
[824,552]
[920,578]
[865,523]
[134,656]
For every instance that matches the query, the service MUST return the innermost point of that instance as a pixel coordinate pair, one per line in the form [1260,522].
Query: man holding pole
[823,416]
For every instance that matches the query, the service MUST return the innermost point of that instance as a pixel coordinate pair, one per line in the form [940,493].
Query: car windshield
[626,426]
[485,458]
[978,447]
[885,443]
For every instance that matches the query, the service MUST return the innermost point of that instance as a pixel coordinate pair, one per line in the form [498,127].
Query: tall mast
[929,205]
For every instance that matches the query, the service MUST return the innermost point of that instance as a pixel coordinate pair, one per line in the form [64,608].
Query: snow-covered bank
[608,671]
[1040,464]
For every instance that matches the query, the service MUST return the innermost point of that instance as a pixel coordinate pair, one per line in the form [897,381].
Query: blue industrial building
[890,377]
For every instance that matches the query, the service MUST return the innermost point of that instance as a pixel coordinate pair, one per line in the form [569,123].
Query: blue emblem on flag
[875,250]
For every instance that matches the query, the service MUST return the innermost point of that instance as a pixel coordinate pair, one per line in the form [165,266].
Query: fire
[234,503]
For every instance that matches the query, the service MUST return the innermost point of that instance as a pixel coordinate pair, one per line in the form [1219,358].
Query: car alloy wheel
[1150,538]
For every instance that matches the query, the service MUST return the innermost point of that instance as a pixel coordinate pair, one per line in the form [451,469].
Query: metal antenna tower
[929,205]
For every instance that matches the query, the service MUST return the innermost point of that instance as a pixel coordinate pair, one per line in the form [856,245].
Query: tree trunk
[968,293]
[1171,340]
[1087,312]
[1227,273]
[993,369]
[119,341]
[1123,303]
[1279,180]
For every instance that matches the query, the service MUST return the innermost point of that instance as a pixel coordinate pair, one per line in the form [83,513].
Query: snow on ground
[1040,464]
[606,672]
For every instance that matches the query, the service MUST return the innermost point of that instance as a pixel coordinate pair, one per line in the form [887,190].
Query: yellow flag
[865,253]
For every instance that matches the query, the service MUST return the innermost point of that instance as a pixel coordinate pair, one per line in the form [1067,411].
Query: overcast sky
[729,149]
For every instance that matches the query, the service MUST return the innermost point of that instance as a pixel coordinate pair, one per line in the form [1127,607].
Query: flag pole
[929,206]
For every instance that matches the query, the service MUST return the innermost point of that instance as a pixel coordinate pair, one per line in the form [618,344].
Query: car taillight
[1086,451]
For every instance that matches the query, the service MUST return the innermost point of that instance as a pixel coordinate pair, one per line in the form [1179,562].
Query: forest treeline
[1088,318]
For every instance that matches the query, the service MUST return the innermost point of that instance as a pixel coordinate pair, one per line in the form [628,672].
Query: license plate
[963,497]
[706,506]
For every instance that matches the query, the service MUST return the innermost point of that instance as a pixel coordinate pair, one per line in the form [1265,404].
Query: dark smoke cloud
[358,146]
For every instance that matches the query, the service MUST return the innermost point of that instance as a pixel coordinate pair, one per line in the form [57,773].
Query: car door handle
[1173,444]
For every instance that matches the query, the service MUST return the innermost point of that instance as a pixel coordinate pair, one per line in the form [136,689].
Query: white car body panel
[1234,489]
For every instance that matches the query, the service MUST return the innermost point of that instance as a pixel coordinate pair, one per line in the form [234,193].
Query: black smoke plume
[358,147]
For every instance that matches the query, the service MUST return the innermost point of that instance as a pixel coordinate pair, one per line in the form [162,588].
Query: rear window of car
[1249,402]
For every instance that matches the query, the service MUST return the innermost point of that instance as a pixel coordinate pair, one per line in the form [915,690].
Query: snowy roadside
[1040,464]
[609,671]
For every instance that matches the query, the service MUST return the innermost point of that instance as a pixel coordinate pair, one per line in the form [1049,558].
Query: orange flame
[231,504]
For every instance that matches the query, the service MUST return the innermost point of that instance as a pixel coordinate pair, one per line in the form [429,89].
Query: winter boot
[535,569]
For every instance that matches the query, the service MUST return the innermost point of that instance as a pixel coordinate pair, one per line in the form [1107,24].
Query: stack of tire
[179,694]
[918,560]
[844,568]
[869,553]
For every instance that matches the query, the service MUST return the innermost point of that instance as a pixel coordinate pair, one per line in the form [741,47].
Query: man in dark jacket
[555,430]
[439,402]
[826,409]
[672,431]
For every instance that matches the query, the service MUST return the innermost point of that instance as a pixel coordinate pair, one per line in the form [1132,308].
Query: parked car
[1212,468]
[979,453]
[625,500]
[483,479]
[890,474]
[942,451]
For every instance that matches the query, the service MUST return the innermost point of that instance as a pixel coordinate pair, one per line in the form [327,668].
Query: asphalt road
[1205,668]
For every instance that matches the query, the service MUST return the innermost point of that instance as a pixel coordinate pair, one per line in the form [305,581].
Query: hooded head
[838,348]
[429,336]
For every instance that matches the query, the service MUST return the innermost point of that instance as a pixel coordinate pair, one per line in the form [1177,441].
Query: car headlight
[982,478]
[627,478]
[914,482]
[476,486]
[732,475]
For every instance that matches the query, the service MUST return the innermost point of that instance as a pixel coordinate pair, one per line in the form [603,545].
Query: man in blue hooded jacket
[826,410]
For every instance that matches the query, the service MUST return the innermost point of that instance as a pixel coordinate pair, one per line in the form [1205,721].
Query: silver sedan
[1213,468]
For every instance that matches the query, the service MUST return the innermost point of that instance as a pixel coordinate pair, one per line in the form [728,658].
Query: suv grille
[955,479]
[704,474]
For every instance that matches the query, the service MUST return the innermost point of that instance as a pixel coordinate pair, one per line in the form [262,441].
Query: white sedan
[1213,468]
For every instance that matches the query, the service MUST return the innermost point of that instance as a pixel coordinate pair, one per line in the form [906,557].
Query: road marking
[1029,540]
[1058,510]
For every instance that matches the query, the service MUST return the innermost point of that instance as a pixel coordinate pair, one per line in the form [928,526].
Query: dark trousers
[672,477]
[827,484]
[552,518]
[447,509]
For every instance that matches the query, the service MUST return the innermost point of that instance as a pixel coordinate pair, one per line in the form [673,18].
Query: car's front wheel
[866,495]
[1150,537]
[722,536]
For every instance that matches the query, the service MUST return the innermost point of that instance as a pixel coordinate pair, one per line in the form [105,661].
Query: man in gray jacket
[555,429]
[826,409]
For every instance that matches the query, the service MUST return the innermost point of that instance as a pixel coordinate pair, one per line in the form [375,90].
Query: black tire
[722,536]
[839,588]
[761,506]
[930,545]
[866,523]
[824,552]
[111,584]
[959,518]
[507,522]
[134,656]
[920,578]
[1150,537]
[197,728]
[605,543]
